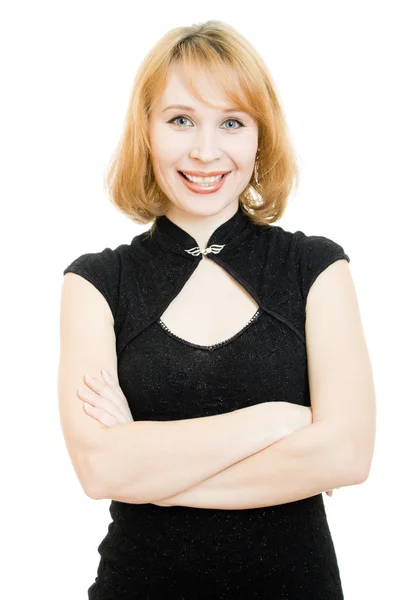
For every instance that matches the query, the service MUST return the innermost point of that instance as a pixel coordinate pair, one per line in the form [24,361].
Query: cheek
[166,154]
[245,168]
[165,175]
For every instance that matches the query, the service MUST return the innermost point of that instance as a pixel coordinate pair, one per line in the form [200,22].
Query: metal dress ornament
[196,251]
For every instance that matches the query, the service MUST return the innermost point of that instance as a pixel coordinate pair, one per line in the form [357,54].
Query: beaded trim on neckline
[211,347]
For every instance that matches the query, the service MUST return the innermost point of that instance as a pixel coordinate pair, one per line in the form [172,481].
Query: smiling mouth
[187,178]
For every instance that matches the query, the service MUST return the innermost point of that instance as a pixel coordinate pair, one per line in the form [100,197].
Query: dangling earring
[256,167]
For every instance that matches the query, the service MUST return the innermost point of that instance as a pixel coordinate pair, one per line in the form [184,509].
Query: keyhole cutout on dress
[210,308]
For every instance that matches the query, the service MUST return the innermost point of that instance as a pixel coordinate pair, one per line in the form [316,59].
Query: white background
[67,72]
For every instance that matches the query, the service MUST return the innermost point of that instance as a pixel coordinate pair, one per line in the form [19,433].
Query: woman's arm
[108,404]
[307,462]
[143,461]
[336,449]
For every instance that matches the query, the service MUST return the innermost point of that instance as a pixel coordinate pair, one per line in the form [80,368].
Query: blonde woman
[214,379]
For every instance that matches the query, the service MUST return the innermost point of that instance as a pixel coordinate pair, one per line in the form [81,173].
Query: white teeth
[203,179]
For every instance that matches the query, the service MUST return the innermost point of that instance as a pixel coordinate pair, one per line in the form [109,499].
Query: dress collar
[172,237]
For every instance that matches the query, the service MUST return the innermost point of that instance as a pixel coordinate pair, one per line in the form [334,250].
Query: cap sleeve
[102,269]
[316,254]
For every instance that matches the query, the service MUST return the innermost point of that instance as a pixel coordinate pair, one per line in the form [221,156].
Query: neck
[201,227]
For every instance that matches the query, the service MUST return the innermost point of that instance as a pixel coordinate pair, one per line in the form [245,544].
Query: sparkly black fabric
[282,552]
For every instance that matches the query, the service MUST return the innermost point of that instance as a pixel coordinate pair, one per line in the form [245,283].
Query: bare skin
[105,401]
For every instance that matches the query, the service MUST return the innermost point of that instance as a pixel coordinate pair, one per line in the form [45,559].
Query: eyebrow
[190,109]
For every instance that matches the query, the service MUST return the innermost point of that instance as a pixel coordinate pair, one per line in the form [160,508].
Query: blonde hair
[219,49]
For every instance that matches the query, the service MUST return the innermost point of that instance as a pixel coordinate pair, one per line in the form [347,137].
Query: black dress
[154,552]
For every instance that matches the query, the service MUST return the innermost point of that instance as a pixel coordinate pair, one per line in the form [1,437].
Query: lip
[203,173]
[206,190]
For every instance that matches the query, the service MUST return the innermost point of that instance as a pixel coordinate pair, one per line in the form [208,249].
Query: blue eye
[227,121]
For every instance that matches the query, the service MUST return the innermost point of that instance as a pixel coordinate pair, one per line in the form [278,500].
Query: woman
[222,414]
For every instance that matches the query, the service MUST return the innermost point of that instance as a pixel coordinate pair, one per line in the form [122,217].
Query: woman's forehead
[201,87]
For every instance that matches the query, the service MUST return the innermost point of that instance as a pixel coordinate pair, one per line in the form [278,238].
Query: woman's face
[201,139]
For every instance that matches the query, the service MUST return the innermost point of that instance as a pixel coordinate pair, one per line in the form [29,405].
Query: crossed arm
[336,449]
[309,461]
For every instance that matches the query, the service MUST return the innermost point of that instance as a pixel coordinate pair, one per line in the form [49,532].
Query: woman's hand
[105,401]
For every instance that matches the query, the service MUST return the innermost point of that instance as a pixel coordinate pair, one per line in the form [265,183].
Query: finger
[113,393]
[105,390]
[99,402]
[100,415]
[113,383]
[91,397]
[101,390]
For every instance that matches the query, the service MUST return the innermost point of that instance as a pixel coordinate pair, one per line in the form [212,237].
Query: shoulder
[302,244]
[304,255]
[104,263]
[103,270]
[299,239]
[314,254]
